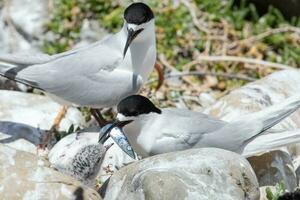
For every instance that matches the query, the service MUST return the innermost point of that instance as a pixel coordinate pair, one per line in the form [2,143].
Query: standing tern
[98,75]
[152,131]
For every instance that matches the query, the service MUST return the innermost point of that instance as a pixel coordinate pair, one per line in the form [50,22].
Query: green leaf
[269,193]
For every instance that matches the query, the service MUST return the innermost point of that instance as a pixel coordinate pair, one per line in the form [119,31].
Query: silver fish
[118,136]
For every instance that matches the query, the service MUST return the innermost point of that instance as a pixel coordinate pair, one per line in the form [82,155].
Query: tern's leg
[160,73]
[61,114]
[54,128]
[98,116]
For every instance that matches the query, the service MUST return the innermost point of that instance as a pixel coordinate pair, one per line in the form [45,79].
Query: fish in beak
[114,130]
[131,35]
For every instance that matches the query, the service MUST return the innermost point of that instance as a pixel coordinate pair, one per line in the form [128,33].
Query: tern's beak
[131,35]
[118,136]
[105,131]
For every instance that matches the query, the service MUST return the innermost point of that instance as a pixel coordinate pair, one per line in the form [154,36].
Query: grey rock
[277,166]
[206,173]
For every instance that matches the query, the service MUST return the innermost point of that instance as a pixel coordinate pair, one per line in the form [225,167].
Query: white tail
[269,117]
[270,141]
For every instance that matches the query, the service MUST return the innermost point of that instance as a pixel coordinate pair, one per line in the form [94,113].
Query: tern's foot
[48,135]
[46,139]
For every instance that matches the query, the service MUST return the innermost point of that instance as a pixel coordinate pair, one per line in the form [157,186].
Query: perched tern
[152,131]
[98,75]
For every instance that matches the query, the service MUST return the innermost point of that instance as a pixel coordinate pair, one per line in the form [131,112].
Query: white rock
[11,40]
[204,174]
[206,99]
[29,15]
[258,95]
[23,117]
[24,176]
[91,32]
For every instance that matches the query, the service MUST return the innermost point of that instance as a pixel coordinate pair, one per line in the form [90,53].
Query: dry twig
[262,63]
[196,22]
[270,32]
[224,75]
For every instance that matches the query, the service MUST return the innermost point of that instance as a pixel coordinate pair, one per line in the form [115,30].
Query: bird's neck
[141,55]
[139,135]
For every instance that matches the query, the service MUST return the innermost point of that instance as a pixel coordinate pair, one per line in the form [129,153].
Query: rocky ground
[193,174]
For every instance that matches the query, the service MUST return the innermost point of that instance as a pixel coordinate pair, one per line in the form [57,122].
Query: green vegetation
[67,17]
[279,190]
[61,134]
[219,29]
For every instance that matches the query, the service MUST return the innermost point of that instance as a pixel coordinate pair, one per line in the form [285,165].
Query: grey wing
[23,59]
[185,129]
[12,64]
[88,78]
[233,137]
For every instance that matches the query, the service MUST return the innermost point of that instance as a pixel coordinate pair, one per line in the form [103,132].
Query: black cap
[135,105]
[138,13]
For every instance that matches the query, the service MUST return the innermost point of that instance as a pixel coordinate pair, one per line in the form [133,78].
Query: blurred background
[206,47]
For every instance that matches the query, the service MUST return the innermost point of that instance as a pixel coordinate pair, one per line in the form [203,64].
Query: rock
[91,32]
[205,173]
[277,166]
[62,154]
[114,159]
[24,117]
[263,193]
[29,16]
[256,96]
[24,176]
[206,99]
[10,39]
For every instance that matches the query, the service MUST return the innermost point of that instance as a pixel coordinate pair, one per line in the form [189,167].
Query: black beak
[131,35]
[116,123]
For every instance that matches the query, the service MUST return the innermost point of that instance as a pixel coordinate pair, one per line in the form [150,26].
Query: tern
[151,130]
[98,75]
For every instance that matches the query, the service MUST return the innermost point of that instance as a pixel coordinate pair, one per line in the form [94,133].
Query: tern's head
[129,110]
[134,106]
[139,23]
